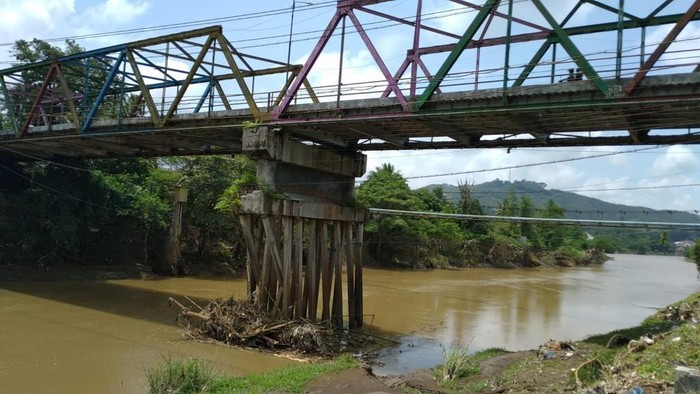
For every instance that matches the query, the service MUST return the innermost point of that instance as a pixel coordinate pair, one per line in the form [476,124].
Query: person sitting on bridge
[571,77]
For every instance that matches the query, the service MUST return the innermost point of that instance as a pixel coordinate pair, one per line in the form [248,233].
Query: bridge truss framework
[192,92]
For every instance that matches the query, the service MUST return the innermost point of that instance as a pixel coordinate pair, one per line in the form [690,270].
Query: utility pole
[179,200]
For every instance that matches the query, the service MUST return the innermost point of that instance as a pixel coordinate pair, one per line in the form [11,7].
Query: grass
[678,346]
[195,376]
[458,363]
[183,376]
[660,360]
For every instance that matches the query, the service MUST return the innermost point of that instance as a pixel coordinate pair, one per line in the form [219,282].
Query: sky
[656,178]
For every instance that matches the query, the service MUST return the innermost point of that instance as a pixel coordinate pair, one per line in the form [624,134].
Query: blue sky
[656,172]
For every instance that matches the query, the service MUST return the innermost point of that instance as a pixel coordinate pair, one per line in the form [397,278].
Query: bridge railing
[147,84]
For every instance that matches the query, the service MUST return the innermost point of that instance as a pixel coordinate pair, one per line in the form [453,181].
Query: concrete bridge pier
[302,231]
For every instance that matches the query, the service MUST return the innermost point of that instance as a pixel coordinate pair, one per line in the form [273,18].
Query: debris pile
[246,324]
[554,349]
[682,312]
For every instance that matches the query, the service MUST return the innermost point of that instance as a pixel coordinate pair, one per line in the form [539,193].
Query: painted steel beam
[304,73]
[502,15]
[224,46]
[117,48]
[9,105]
[571,48]
[612,9]
[37,100]
[455,54]
[103,91]
[663,46]
[378,59]
[145,91]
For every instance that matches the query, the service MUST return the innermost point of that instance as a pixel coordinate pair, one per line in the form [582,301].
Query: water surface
[58,337]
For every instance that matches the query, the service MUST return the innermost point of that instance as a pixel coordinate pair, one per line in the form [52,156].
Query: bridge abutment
[302,231]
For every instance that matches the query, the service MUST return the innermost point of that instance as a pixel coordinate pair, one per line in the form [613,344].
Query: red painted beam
[661,49]
[39,97]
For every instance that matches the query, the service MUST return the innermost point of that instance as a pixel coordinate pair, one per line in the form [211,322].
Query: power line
[531,164]
[520,219]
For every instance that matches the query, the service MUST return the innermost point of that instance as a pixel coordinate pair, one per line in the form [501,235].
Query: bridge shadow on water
[129,298]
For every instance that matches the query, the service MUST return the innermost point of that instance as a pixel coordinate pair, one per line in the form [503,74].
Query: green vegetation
[420,242]
[457,364]
[693,253]
[195,376]
[183,376]
[575,206]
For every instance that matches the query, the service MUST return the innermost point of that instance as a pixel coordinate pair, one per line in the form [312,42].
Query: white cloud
[116,12]
[45,19]
[677,159]
[33,18]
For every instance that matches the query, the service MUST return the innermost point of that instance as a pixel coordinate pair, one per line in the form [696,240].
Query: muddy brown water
[59,337]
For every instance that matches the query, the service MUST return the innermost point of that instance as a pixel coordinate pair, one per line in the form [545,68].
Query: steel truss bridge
[522,74]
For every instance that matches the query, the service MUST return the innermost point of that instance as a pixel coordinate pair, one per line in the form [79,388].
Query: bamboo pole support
[287,276]
[349,273]
[325,272]
[264,294]
[337,313]
[359,309]
[297,265]
[312,268]
[253,263]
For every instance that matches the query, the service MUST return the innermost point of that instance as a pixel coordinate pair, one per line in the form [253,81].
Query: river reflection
[518,309]
[100,336]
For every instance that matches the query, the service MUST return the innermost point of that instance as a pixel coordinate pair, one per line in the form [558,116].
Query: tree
[27,52]
[695,253]
[210,233]
[435,200]
[386,188]
[397,238]
[528,230]
[468,205]
[507,207]
[92,211]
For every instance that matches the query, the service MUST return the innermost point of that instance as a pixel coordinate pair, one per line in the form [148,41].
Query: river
[100,336]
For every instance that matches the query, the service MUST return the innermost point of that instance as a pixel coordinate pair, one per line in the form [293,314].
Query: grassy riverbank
[643,356]
[196,376]
[606,363]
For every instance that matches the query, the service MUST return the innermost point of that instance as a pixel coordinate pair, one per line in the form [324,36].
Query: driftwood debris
[246,324]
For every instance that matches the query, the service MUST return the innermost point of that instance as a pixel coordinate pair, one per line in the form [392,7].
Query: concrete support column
[302,231]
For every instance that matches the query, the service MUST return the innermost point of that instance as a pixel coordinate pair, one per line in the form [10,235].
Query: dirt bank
[640,358]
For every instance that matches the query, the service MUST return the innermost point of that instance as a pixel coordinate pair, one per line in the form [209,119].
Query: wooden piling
[357,256]
[287,277]
[298,265]
[337,313]
[349,273]
[325,272]
[302,250]
[311,268]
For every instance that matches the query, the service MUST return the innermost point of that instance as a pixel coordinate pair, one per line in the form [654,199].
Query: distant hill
[490,194]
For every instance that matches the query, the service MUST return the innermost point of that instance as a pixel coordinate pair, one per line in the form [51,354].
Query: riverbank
[607,363]
[642,356]
[498,256]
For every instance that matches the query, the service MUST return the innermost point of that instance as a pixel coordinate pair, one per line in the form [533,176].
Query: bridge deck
[565,114]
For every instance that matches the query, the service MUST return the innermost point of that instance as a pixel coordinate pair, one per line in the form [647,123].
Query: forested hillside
[576,206]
